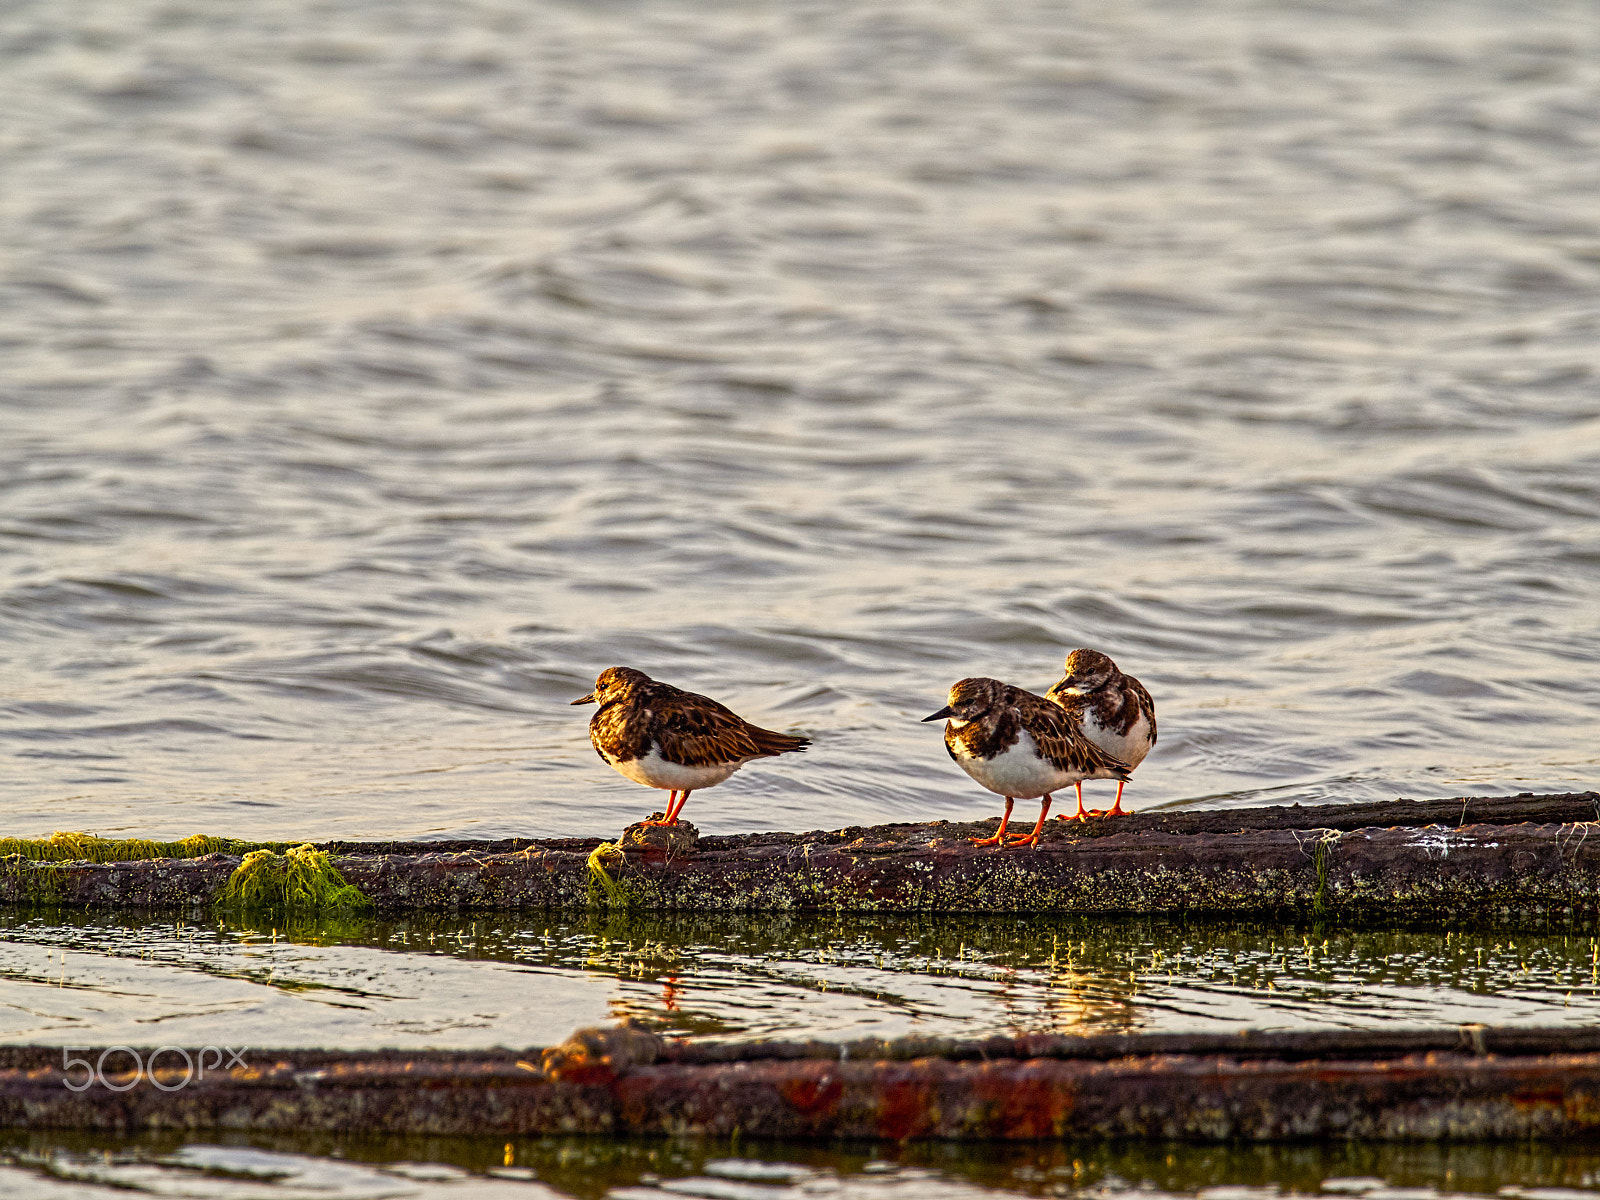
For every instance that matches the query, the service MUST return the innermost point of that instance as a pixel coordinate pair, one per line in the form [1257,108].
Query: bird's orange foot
[1030,839]
[988,841]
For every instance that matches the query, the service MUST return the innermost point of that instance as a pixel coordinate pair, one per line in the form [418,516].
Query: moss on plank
[69,846]
[300,881]
[602,888]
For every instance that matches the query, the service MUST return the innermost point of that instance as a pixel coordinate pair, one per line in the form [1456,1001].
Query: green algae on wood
[602,887]
[273,876]
[302,880]
[36,867]
[656,843]
[69,846]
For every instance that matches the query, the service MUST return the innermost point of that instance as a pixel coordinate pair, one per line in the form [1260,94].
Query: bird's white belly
[1017,771]
[654,771]
[1130,747]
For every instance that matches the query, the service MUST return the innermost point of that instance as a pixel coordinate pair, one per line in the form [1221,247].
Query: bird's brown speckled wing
[698,732]
[1146,705]
[1055,731]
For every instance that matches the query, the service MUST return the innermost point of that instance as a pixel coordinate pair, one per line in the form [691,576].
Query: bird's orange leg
[1116,810]
[666,817]
[1083,814]
[672,813]
[1000,833]
[1033,838]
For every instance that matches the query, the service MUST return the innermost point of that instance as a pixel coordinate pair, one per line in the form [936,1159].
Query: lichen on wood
[30,881]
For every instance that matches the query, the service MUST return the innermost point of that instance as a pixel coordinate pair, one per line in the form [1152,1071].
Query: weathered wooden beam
[1474,1083]
[1563,808]
[1284,862]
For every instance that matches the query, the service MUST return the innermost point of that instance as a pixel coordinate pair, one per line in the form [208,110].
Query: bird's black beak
[1068,682]
[589,699]
[944,712]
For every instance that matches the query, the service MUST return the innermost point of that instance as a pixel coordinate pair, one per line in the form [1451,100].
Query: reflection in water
[341,1166]
[533,977]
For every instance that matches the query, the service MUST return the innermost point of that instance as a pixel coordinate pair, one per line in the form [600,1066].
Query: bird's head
[612,683]
[1087,672]
[972,700]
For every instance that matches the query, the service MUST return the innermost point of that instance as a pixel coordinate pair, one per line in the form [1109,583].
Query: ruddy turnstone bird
[665,737]
[1111,709]
[1019,746]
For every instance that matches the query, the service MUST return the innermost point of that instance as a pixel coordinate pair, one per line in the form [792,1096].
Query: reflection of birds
[664,737]
[1111,709]
[1020,746]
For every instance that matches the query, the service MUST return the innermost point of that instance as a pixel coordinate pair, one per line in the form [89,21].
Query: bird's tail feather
[771,742]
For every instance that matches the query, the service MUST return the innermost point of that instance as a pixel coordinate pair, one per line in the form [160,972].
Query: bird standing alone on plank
[1112,710]
[665,737]
[1020,746]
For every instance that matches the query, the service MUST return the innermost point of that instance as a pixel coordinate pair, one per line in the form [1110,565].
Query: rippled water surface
[374,374]
[100,981]
[237,1167]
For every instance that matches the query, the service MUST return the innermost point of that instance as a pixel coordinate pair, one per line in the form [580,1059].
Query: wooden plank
[1235,862]
[1488,1084]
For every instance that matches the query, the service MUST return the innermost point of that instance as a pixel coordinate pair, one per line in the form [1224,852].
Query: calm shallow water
[373,375]
[102,981]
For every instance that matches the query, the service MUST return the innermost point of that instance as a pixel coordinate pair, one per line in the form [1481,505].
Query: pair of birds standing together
[1096,723]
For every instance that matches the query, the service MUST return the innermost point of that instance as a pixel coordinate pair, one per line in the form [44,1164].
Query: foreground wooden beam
[1508,859]
[1473,1083]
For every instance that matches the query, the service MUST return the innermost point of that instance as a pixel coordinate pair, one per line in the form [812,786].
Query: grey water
[374,374]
